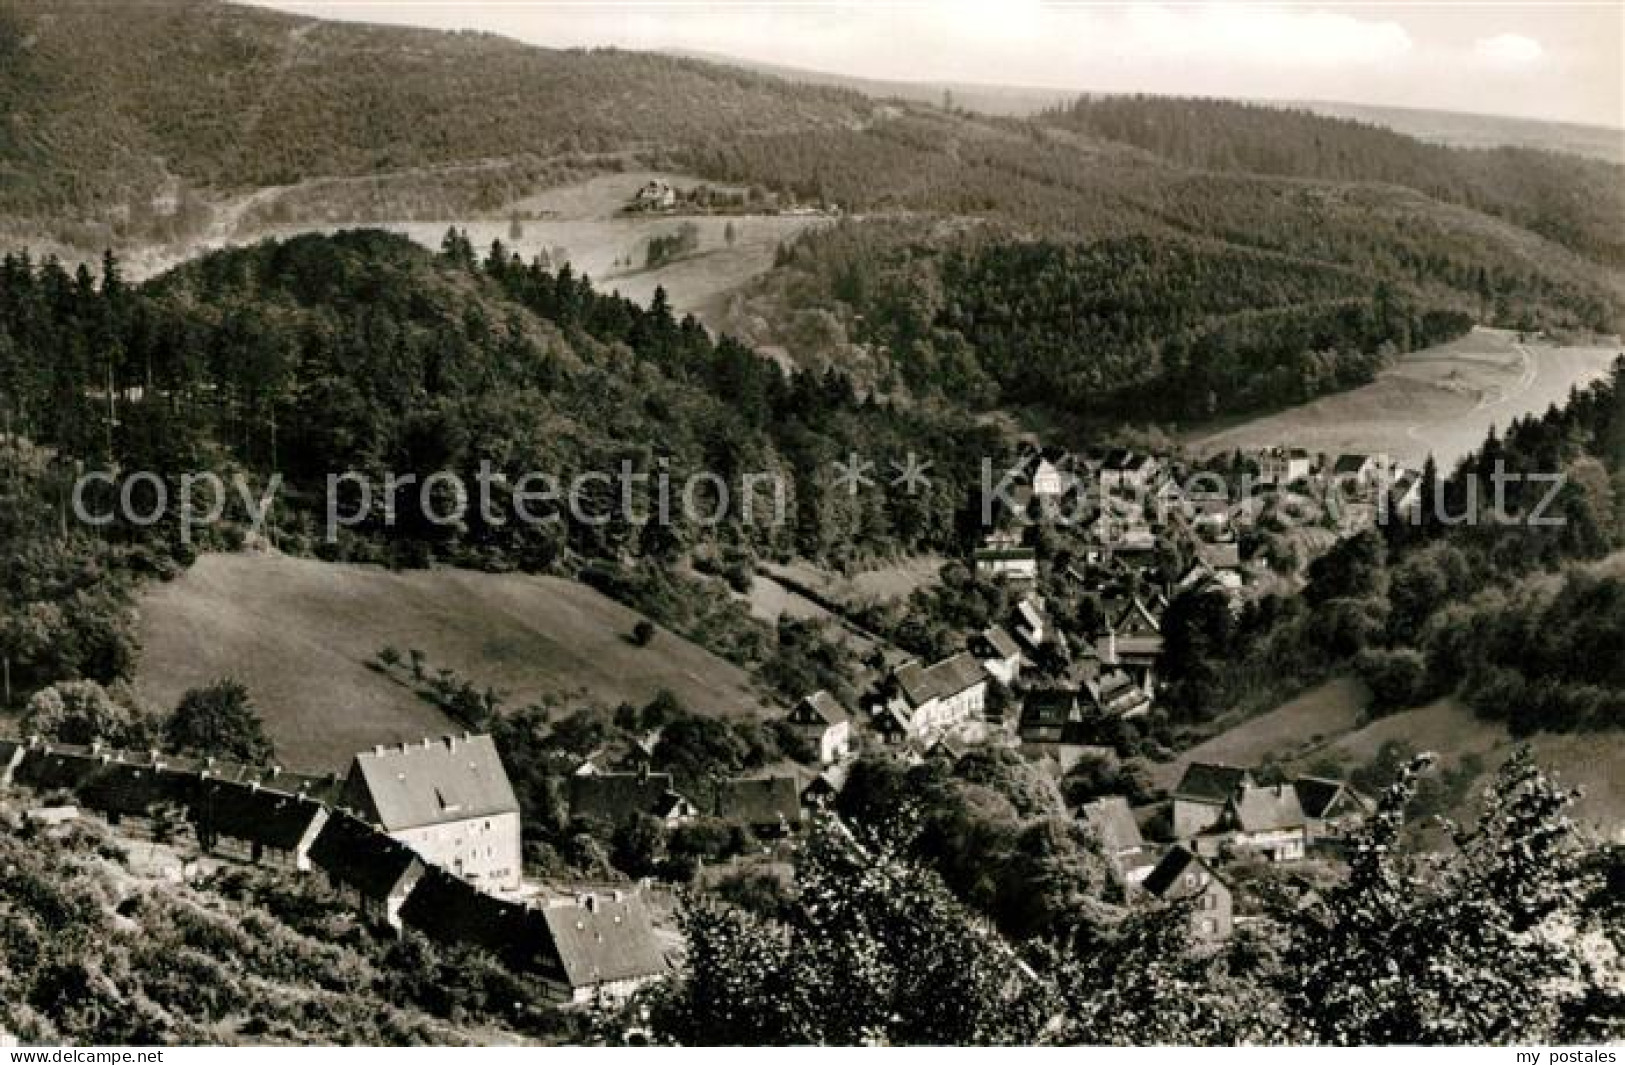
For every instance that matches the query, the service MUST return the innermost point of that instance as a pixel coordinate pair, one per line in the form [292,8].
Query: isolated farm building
[768,805]
[655,195]
[603,948]
[448,799]
[940,696]
[256,824]
[1183,874]
[1332,808]
[1202,794]
[616,798]
[823,723]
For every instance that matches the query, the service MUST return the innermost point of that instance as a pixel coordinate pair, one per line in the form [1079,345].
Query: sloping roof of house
[1320,797]
[761,800]
[1223,555]
[605,939]
[1351,463]
[1210,782]
[261,815]
[827,707]
[348,850]
[449,909]
[615,797]
[134,784]
[1114,822]
[941,680]
[1002,644]
[433,782]
[56,765]
[1167,880]
[1267,809]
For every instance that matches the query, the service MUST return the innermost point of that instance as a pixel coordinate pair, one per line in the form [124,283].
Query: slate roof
[133,787]
[1001,643]
[1317,795]
[1267,809]
[604,940]
[940,681]
[429,783]
[1210,782]
[348,850]
[59,765]
[826,707]
[761,800]
[1350,463]
[1114,822]
[1167,879]
[449,909]
[617,797]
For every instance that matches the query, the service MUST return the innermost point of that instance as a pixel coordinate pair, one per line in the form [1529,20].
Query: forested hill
[113,106]
[1573,201]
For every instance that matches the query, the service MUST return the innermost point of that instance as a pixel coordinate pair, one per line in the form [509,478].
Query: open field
[583,218]
[1333,712]
[1441,401]
[1322,712]
[883,584]
[300,634]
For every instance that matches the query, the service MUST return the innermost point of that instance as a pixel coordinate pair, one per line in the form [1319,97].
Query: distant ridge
[1454,129]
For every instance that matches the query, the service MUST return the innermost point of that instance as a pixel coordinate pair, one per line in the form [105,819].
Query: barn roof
[348,850]
[1114,822]
[617,797]
[762,800]
[1210,782]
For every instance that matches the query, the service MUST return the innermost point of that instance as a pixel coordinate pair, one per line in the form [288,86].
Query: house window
[1208,927]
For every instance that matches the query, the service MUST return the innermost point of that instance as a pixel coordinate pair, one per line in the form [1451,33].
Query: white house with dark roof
[823,722]
[1263,820]
[940,696]
[603,947]
[449,799]
[1202,794]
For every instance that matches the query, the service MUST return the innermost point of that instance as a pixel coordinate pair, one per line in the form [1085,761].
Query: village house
[1202,794]
[1263,820]
[1183,874]
[824,724]
[373,871]
[1404,495]
[1003,555]
[941,696]
[1331,808]
[605,949]
[448,799]
[616,798]
[1114,824]
[1031,623]
[1117,694]
[768,805]
[1126,471]
[1284,465]
[1052,715]
[1001,655]
[1356,474]
[1133,643]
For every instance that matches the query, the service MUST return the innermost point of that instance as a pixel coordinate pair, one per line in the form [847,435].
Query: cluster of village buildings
[427,835]
[420,835]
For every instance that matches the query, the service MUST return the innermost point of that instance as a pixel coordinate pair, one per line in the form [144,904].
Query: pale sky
[1558,61]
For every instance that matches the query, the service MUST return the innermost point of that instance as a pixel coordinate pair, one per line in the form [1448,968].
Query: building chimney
[378,750]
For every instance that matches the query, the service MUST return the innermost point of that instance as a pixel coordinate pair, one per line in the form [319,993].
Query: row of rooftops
[1262,808]
[583,943]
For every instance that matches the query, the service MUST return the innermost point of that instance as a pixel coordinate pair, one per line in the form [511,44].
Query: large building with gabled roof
[449,799]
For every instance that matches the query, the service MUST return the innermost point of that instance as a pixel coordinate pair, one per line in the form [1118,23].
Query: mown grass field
[301,634]
[1327,723]
[1440,401]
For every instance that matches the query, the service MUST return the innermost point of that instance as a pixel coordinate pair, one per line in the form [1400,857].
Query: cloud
[1265,36]
[1508,50]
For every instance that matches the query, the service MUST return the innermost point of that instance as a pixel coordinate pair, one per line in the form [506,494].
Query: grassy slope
[1441,401]
[1334,710]
[300,633]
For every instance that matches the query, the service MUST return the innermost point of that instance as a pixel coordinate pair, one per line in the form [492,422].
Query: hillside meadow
[302,635]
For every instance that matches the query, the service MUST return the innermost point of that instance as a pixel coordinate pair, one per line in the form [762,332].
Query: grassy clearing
[882,584]
[301,633]
[1441,401]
